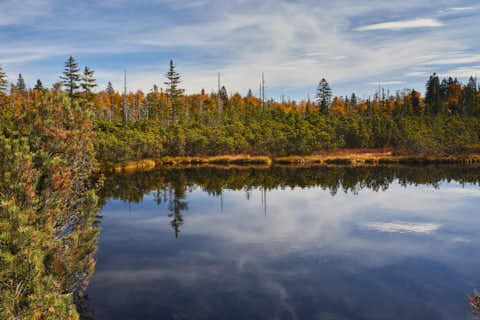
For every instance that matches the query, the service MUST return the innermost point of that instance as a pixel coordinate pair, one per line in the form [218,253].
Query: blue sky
[356,45]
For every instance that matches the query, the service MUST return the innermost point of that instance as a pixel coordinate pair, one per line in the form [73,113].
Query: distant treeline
[167,122]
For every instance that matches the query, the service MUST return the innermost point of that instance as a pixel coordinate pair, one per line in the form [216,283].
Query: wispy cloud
[455,59]
[385,83]
[294,43]
[401,25]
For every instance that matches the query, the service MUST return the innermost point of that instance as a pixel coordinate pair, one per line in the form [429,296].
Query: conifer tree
[173,91]
[88,82]
[324,96]
[3,80]
[109,89]
[433,96]
[21,84]
[71,76]
[223,95]
[39,85]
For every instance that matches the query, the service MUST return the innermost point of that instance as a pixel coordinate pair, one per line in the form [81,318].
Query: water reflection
[312,243]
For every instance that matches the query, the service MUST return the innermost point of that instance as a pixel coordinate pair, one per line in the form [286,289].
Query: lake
[288,243]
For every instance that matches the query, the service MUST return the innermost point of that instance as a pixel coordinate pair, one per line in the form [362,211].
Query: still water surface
[317,243]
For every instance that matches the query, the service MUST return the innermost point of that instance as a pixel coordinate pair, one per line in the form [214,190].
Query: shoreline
[264,162]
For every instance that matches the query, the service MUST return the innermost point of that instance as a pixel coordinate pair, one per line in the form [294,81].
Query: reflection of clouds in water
[312,222]
[403,227]
[311,219]
[310,245]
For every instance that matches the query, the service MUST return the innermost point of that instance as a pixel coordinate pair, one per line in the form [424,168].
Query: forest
[167,122]
[53,140]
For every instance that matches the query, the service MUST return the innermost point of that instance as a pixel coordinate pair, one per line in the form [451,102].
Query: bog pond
[288,243]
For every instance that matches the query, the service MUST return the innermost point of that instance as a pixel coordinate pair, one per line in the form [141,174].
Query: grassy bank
[370,157]
[227,160]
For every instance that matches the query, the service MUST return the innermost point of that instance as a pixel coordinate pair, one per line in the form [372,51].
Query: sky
[357,45]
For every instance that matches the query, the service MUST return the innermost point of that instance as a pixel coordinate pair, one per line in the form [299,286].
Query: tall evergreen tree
[223,95]
[109,89]
[249,94]
[353,99]
[71,76]
[415,102]
[88,82]
[21,84]
[433,96]
[173,91]
[324,96]
[39,85]
[469,95]
[3,80]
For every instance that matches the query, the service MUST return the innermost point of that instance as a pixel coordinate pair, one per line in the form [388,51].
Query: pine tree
[71,76]
[324,96]
[21,87]
[173,91]
[39,85]
[249,94]
[88,82]
[3,80]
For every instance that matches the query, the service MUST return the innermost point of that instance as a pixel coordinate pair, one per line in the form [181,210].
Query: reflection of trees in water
[177,204]
[171,185]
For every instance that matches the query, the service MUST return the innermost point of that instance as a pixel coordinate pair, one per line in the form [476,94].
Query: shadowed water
[285,243]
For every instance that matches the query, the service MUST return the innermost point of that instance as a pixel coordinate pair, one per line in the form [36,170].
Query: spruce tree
[88,82]
[415,103]
[3,80]
[223,95]
[39,85]
[433,96]
[109,88]
[324,96]
[249,94]
[71,76]
[21,84]
[173,91]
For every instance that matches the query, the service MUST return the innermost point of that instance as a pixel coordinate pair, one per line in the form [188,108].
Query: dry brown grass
[350,157]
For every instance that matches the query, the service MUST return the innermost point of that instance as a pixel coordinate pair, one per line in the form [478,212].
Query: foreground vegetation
[47,206]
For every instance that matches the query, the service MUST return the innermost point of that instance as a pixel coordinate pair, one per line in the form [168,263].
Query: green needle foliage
[47,206]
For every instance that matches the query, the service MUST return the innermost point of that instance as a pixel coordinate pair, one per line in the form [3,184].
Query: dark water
[318,243]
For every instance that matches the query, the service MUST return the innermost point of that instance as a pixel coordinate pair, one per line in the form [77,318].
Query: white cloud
[401,25]
[462,72]
[421,74]
[385,83]
[458,9]
[14,12]
[455,59]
